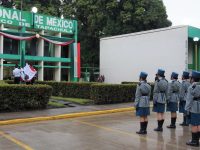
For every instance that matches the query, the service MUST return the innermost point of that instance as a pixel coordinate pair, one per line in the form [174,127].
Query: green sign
[44,22]
[22,18]
[15,17]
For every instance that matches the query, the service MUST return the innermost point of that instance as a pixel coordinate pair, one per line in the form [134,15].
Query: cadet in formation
[193,108]
[173,98]
[159,98]
[183,93]
[142,104]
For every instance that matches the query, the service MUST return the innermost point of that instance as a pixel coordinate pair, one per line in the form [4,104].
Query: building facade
[47,42]
[123,57]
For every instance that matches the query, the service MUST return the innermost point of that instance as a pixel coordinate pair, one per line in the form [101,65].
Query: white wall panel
[123,57]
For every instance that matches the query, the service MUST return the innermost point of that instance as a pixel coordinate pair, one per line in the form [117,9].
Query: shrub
[69,89]
[9,81]
[22,97]
[112,93]
[127,82]
[2,82]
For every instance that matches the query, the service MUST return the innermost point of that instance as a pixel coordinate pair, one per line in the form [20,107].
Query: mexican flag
[27,73]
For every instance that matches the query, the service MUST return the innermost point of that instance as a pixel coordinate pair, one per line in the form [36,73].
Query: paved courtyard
[102,132]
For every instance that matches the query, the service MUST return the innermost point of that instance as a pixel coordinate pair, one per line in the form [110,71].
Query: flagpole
[21,4]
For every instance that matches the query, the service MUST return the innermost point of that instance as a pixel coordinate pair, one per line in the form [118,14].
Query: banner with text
[15,17]
[44,22]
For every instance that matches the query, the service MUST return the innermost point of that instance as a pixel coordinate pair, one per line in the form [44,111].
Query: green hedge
[112,93]
[66,89]
[2,82]
[24,97]
[127,82]
[69,89]
[100,93]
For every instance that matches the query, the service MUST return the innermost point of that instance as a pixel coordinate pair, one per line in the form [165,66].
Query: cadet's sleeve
[189,99]
[155,89]
[182,91]
[179,84]
[168,91]
[150,91]
[137,96]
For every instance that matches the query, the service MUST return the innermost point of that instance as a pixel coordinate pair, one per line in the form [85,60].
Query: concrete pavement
[102,132]
[59,111]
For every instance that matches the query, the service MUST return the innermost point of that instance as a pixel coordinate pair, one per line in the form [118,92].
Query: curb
[65,116]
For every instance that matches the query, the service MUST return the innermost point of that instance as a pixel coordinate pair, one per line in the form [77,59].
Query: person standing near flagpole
[17,74]
[160,97]
[183,93]
[142,102]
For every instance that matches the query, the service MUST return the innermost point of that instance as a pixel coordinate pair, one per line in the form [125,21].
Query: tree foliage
[101,18]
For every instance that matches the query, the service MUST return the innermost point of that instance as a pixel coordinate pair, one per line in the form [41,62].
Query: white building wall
[123,57]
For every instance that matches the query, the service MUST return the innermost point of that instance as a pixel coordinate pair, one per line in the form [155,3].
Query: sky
[183,12]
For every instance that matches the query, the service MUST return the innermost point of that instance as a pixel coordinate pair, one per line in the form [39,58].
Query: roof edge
[145,32]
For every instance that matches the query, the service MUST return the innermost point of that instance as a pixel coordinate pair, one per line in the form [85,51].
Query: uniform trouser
[16,80]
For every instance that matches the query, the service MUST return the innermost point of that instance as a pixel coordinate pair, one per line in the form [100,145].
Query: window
[49,49]
[10,46]
[31,47]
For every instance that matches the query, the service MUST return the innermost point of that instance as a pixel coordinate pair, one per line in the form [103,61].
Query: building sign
[44,22]
[15,17]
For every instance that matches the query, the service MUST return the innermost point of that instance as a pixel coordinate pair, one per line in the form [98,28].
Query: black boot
[145,126]
[185,123]
[159,128]
[199,135]
[142,128]
[194,141]
[173,123]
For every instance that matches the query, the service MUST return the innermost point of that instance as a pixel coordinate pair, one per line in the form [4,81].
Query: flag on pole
[27,73]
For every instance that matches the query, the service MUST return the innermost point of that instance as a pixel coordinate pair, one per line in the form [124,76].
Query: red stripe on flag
[79,59]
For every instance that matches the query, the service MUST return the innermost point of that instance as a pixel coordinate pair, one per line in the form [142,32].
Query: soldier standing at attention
[159,98]
[184,87]
[193,108]
[173,98]
[142,104]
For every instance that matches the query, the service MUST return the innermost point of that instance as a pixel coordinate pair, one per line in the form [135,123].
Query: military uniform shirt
[160,91]
[193,98]
[174,91]
[142,95]
[183,90]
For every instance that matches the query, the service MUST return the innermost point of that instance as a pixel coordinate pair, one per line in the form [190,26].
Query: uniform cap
[195,74]
[143,75]
[161,72]
[186,74]
[174,75]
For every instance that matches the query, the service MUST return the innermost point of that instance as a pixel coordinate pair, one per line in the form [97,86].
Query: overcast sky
[183,12]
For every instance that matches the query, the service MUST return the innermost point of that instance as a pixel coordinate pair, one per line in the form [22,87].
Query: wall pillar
[1,52]
[73,50]
[22,49]
[198,56]
[40,52]
[57,71]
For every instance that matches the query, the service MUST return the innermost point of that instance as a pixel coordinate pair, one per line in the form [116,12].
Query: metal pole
[21,4]
[196,56]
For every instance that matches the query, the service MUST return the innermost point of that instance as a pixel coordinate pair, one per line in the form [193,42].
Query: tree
[101,18]
[7,3]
